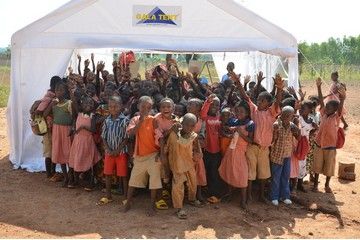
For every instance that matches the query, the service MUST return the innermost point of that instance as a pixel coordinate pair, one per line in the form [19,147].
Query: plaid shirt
[282,147]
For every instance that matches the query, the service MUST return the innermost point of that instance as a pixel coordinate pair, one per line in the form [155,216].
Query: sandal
[181,214]
[161,205]
[56,178]
[213,199]
[104,201]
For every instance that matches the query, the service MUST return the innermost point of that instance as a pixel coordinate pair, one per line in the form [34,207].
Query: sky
[307,20]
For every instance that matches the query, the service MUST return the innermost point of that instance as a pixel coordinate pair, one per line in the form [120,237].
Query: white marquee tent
[44,48]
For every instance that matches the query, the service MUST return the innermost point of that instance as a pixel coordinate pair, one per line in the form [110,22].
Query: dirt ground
[32,207]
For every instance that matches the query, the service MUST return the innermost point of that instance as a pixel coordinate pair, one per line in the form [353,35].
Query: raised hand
[279,82]
[235,77]
[87,62]
[291,90]
[115,64]
[318,82]
[100,66]
[79,57]
[211,97]
[70,70]
[302,94]
[260,77]
[92,56]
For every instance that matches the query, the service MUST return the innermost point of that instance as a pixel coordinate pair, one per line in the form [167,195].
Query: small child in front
[114,137]
[147,165]
[326,138]
[180,147]
[280,156]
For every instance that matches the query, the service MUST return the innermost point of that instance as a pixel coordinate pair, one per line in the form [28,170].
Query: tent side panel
[30,80]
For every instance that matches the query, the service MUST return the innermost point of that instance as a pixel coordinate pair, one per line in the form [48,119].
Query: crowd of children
[171,130]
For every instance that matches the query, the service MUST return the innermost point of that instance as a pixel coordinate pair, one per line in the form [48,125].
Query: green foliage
[342,55]
[4,94]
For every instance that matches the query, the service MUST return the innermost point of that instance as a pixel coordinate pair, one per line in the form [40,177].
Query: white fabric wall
[250,63]
[31,70]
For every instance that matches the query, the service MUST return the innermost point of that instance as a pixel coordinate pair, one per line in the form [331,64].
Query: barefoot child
[83,153]
[61,110]
[234,167]
[180,147]
[147,166]
[194,106]
[264,115]
[326,138]
[114,137]
[280,155]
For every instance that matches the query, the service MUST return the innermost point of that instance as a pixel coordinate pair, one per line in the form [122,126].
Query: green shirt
[62,113]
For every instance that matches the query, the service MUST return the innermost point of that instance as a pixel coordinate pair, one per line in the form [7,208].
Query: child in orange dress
[194,106]
[61,109]
[83,153]
[234,167]
[226,132]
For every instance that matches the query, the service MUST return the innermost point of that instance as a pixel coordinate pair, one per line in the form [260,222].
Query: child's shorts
[324,161]
[258,162]
[146,169]
[47,145]
[117,163]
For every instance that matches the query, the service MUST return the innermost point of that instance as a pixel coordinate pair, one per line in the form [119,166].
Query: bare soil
[33,207]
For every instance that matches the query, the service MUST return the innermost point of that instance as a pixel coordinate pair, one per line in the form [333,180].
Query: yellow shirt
[180,152]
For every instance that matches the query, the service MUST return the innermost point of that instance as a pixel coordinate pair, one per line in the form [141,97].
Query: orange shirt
[327,134]
[145,136]
[264,121]
[180,152]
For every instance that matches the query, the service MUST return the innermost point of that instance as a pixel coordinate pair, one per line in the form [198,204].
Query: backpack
[302,148]
[340,138]
[37,122]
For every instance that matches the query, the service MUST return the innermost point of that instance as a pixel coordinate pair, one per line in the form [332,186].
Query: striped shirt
[114,132]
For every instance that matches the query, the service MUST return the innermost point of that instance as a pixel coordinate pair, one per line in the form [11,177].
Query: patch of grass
[4,94]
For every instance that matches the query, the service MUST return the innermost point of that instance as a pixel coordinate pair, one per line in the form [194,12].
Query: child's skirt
[61,144]
[294,167]
[200,170]
[224,144]
[83,154]
[234,167]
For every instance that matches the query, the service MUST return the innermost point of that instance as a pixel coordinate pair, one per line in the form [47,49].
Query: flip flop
[213,199]
[104,201]
[161,205]
[181,214]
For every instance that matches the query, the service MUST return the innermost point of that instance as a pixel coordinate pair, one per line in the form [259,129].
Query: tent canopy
[44,48]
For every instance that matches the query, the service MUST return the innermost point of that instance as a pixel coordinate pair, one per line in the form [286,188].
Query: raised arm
[239,86]
[79,64]
[100,66]
[206,106]
[279,83]
[93,63]
[320,95]
[260,78]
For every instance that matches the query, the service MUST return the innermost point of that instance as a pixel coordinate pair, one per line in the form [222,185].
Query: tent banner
[159,16]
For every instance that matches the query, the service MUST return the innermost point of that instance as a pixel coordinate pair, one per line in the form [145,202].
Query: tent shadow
[30,201]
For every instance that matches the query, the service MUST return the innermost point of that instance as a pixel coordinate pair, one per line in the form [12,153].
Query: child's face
[330,109]
[60,91]
[214,107]
[252,85]
[225,116]
[334,77]
[145,108]
[166,109]
[179,110]
[188,127]
[90,90]
[87,106]
[241,113]
[193,108]
[286,118]
[114,108]
[262,103]
[305,110]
